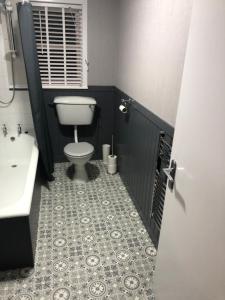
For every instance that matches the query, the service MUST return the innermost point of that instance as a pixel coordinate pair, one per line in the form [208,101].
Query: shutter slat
[60,66]
[57,59]
[58,47]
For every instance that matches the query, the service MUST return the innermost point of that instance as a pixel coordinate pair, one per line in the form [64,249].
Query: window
[61,39]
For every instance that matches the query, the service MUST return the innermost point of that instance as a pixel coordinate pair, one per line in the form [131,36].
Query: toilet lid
[78,149]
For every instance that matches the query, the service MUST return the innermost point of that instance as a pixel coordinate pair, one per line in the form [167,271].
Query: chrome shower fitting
[7,9]
[19,129]
[8,5]
[2,5]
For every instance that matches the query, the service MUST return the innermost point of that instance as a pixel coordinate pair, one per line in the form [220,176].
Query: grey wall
[102,41]
[151,50]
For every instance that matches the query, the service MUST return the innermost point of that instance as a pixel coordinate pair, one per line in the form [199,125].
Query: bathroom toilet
[76,111]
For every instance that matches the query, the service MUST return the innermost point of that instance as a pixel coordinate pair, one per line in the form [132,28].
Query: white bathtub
[18,166]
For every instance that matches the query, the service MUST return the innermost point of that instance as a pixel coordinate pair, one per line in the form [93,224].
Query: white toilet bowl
[79,154]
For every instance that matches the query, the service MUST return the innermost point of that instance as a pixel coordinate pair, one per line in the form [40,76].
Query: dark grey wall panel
[137,137]
[98,133]
[19,235]
[16,245]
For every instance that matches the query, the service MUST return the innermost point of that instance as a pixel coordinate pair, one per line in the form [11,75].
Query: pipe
[75,134]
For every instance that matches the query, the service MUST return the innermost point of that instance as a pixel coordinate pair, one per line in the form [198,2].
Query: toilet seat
[78,149]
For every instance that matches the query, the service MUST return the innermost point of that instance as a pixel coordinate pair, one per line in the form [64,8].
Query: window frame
[67,4]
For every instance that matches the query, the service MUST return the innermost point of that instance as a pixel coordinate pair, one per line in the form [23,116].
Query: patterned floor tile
[91,244]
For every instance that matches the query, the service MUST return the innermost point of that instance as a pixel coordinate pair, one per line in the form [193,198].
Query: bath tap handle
[4,130]
[19,129]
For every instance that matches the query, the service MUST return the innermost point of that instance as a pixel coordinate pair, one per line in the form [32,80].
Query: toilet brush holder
[105,153]
[112,164]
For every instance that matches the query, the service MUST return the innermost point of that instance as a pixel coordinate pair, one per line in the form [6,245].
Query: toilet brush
[112,160]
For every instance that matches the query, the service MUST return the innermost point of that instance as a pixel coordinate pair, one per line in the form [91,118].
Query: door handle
[170,174]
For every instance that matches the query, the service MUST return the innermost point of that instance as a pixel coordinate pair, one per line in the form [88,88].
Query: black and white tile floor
[91,244]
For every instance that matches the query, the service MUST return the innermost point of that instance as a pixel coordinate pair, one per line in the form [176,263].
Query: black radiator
[159,191]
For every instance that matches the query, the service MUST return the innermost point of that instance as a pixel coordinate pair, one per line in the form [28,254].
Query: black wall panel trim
[137,136]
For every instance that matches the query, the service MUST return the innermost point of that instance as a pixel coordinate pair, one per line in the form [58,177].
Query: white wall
[152,42]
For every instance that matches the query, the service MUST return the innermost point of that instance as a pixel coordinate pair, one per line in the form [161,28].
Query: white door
[191,256]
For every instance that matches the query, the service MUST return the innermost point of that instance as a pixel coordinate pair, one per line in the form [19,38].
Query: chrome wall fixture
[124,106]
[7,9]
[4,130]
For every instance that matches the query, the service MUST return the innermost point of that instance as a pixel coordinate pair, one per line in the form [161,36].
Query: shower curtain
[34,86]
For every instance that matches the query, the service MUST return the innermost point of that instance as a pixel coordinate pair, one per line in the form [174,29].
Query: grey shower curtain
[35,88]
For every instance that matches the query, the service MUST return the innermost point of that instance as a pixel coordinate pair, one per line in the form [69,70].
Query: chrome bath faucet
[4,130]
[19,129]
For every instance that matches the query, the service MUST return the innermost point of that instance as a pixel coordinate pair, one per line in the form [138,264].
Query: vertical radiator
[159,191]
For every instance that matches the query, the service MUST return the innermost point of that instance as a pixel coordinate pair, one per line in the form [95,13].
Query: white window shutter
[61,39]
